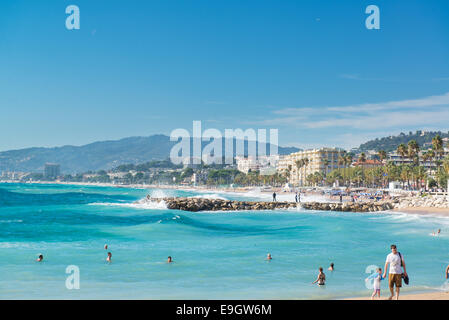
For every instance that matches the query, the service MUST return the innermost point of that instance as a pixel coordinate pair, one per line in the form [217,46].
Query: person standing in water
[109,258]
[40,258]
[169,259]
[269,257]
[396,262]
[331,268]
[321,279]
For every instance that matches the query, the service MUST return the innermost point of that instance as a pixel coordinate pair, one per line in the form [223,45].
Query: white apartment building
[322,160]
[261,163]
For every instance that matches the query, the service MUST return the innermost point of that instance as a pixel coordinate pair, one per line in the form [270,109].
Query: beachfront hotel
[301,164]
[261,163]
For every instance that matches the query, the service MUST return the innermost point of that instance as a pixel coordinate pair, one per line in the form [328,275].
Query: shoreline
[434,295]
[422,211]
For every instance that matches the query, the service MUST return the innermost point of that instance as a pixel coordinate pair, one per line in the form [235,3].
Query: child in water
[377,276]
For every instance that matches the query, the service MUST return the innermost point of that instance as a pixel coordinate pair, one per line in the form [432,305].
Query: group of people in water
[40,257]
[395,261]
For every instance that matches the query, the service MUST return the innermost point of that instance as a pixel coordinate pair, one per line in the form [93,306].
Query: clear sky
[309,68]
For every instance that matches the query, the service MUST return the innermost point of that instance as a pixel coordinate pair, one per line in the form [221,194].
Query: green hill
[102,155]
[391,143]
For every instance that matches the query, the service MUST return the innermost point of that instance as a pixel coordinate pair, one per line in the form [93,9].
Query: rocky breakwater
[202,204]
[349,206]
[422,202]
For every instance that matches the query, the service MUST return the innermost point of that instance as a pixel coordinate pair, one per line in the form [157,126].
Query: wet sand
[444,212]
[418,296]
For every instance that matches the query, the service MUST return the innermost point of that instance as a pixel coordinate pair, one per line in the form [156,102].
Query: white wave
[11,221]
[141,204]
[162,193]
[210,196]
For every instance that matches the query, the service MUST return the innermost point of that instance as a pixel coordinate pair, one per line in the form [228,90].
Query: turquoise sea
[217,255]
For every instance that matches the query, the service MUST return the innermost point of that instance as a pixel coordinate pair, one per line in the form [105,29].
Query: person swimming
[331,268]
[269,256]
[169,259]
[105,247]
[40,258]
[321,279]
[109,258]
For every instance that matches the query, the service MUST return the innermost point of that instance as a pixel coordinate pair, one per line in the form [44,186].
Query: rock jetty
[423,202]
[203,204]
[350,206]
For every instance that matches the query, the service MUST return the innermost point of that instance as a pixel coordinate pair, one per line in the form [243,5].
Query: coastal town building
[429,164]
[52,170]
[299,165]
[367,164]
[260,163]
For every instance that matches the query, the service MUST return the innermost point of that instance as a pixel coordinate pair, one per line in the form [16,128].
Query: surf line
[204,311]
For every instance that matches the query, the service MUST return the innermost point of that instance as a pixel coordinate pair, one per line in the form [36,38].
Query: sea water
[217,255]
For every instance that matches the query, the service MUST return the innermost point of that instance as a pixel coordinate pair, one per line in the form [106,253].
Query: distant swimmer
[109,258]
[105,247]
[169,259]
[40,258]
[331,268]
[321,279]
[269,256]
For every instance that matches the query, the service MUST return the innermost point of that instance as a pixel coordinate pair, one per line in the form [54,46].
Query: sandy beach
[443,212]
[417,296]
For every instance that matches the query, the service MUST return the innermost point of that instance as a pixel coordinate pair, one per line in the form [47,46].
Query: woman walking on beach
[321,279]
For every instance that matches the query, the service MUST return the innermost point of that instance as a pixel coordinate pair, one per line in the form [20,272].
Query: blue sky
[309,68]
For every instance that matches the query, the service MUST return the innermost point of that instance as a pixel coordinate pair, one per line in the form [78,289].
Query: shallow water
[217,255]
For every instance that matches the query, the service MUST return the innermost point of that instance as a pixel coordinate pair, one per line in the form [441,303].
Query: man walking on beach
[396,262]
[274,196]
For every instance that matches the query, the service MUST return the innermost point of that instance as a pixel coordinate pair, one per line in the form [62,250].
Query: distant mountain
[102,155]
[391,143]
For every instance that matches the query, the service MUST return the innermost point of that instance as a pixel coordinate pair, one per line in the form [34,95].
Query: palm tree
[382,155]
[362,157]
[413,151]
[306,163]
[402,151]
[431,156]
[438,148]
[347,162]
[299,164]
